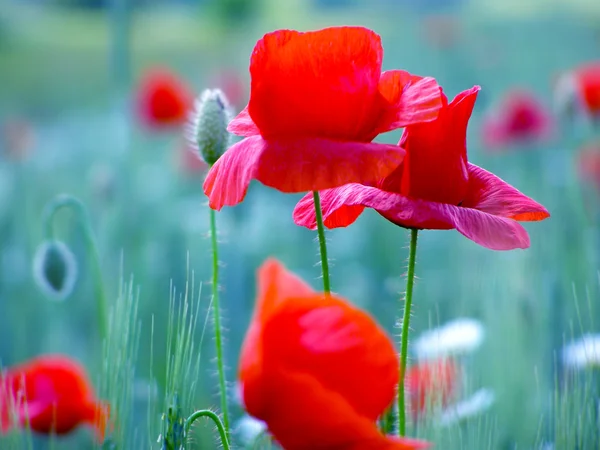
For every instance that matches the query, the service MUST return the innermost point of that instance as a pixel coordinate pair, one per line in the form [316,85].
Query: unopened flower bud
[208,125]
[55,269]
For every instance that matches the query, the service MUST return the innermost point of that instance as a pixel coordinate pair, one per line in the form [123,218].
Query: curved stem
[68,201]
[217,318]
[410,280]
[322,242]
[215,418]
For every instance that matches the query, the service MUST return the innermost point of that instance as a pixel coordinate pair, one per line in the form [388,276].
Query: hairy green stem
[410,280]
[217,318]
[215,418]
[68,201]
[322,242]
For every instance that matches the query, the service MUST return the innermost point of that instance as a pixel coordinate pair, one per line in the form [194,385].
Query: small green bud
[55,269]
[208,125]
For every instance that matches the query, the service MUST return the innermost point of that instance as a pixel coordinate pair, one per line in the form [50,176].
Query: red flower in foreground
[316,369]
[431,383]
[436,188]
[521,118]
[580,86]
[54,393]
[164,100]
[317,100]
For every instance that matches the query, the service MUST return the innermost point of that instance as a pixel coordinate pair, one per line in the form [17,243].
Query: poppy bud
[208,127]
[55,269]
[174,430]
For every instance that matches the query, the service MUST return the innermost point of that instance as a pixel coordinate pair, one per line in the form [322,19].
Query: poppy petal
[335,214]
[493,232]
[242,125]
[491,194]
[318,83]
[339,345]
[275,285]
[412,99]
[306,415]
[296,165]
[436,162]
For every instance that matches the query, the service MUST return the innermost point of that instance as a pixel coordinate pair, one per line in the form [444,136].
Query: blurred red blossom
[316,369]
[431,383]
[436,188]
[317,100]
[579,88]
[50,394]
[163,99]
[519,119]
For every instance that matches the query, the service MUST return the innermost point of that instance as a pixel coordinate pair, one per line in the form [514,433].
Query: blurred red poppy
[520,119]
[436,188]
[50,394]
[580,88]
[164,100]
[431,383]
[316,369]
[317,100]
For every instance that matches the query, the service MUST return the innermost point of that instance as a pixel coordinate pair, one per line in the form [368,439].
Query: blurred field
[71,73]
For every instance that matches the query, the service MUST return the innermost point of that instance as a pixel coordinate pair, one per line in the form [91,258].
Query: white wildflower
[583,352]
[460,336]
[476,404]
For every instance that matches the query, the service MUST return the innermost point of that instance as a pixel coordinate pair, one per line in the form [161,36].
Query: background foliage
[69,70]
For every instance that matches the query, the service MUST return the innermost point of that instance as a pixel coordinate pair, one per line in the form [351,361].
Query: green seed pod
[55,269]
[208,125]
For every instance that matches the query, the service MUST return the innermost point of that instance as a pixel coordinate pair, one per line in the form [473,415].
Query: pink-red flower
[50,394]
[431,383]
[436,188]
[317,100]
[163,99]
[519,119]
[316,369]
[580,87]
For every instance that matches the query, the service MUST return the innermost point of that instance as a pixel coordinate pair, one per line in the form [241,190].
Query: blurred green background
[69,70]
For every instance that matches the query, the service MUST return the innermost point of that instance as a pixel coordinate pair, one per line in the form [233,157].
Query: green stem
[215,418]
[322,242]
[217,318]
[410,281]
[68,201]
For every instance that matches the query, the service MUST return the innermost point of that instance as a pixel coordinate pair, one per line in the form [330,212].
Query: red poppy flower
[317,100]
[436,188]
[316,369]
[51,393]
[581,86]
[164,100]
[431,383]
[520,119]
